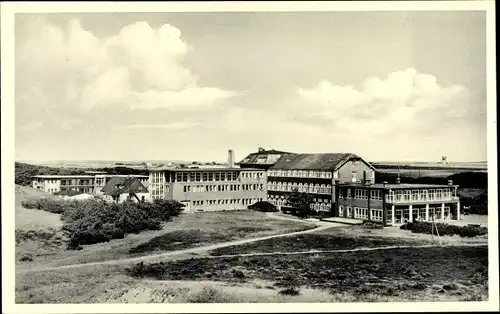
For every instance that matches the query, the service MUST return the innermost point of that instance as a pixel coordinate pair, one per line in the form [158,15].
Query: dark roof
[119,185]
[315,161]
[263,157]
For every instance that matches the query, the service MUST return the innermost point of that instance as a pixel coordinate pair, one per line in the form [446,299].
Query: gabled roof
[120,185]
[315,161]
[263,157]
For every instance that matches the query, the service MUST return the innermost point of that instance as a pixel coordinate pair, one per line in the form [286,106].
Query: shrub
[263,207]
[93,221]
[26,257]
[445,229]
[290,291]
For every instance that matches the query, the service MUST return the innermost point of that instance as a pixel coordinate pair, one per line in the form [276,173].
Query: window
[399,196]
[376,214]
[431,195]
[407,196]
[414,195]
[439,194]
[300,187]
[348,193]
[341,193]
[354,177]
[423,195]
[376,195]
[316,188]
[329,189]
[360,194]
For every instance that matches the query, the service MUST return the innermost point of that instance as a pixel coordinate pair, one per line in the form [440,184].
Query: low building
[91,183]
[56,183]
[395,204]
[121,189]
[223,188]
[315,174]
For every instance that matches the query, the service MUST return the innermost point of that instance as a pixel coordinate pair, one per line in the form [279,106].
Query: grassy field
[416,274]
[323,241]
[410,274]
[31,219]
[185,231]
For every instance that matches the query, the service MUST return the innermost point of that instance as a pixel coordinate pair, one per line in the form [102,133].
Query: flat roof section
[204,169]
[63,176]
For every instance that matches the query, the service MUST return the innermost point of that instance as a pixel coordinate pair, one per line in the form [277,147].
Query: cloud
[382,105]
[172,126]
[31,126]
[140,67]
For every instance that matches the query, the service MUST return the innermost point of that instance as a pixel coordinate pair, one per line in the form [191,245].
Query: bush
[94,221]
[290,291]
[445,229]
[263,206]
[89,222]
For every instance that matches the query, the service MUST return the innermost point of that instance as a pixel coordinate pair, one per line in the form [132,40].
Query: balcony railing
[399,200]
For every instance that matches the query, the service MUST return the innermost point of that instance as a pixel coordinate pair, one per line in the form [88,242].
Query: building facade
[395,204]
[89,183]
[209,189]
[315,174]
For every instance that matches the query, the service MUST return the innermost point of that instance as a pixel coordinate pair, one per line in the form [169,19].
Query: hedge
[445,229]
[263,207]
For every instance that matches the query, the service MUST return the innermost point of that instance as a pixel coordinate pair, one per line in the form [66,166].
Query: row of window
[437,213]
[317,206]
[79,182]
[244,201]
[361,213]
[420,195]
[361,194]
[253,175]
[320,200]
[302,173]
[224,188]
[214,176]
[305,188]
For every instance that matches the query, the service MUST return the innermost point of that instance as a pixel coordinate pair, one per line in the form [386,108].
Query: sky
[391,86]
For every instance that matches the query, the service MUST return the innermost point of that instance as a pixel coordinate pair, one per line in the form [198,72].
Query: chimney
[230,158]
[261,149]
[450,182]
[398,180]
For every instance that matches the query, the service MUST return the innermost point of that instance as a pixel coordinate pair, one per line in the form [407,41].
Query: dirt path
[196,250]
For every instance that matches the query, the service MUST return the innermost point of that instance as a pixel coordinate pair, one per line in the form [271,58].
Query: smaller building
[395,204]
[57,183]
[121,189]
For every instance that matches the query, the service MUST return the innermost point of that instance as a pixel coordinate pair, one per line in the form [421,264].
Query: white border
[8,9]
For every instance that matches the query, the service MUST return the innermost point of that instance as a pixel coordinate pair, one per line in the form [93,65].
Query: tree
[300,202]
